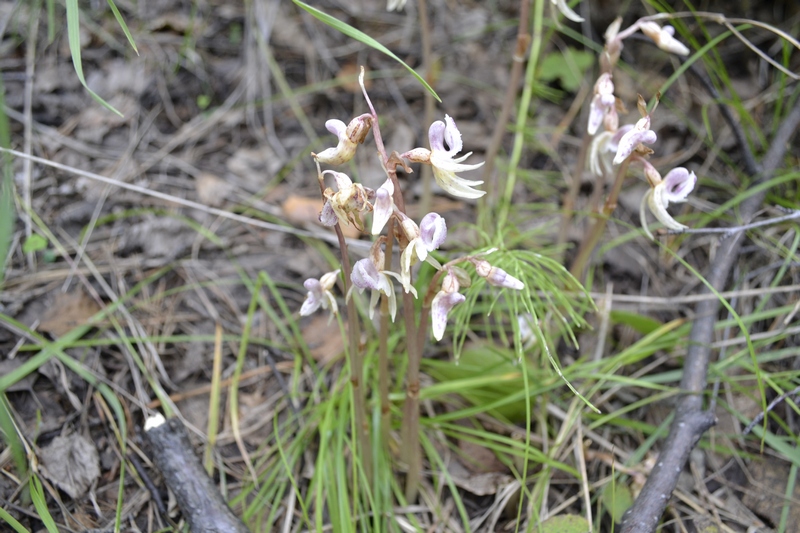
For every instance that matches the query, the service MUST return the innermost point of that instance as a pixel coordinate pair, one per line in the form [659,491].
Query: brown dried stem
[518,60]
[590,242]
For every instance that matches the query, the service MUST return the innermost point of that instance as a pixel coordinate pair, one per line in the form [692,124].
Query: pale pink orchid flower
[603,105]
[320,294]
[447,298]
[639,134]
[367,275]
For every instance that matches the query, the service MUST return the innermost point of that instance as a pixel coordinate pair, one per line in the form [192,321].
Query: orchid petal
[433,231]
[336,126]
[678,183]
[383,206]
[567,11]
[442,303]
[452,136]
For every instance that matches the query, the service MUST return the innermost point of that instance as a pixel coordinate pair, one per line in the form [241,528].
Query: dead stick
[197,496]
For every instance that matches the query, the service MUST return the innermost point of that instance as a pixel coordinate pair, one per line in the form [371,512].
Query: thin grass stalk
[590,242]
[522,114]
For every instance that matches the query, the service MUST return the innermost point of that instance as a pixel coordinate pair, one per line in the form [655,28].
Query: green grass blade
[74,33]
[40,503]
[361,37]
[7,212]
[121,22]
[11,521]
[8,433]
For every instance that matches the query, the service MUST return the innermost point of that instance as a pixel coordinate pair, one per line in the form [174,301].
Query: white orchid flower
[664,38]
[444,161]
[422,239]
[674,188]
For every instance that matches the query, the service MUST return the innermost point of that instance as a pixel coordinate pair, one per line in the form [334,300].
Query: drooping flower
[664,38]
[444,161]
[567,11]
[638,135]
[319,294]
[382,206]
[367,274]
[603,105]
[422,239]
[447,298]
[603,149]
[350,136]
[346,204]
[496,276]
[675,187]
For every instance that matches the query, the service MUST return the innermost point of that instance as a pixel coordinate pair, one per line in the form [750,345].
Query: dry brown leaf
[68,311]
[71,463]
[479,459]
[478,484]
[348,79]
[212,190]
[323,337]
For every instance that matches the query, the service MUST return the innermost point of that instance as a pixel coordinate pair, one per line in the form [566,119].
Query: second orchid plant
[628,144]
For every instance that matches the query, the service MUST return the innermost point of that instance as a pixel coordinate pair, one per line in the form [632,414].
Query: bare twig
[770,407]
[198,498]
[691,421]
[737,229]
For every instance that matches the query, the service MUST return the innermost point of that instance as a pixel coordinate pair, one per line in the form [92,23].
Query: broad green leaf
[617,498]
[362,37]
[34,243]
[642,324]
[568,65]
[567,523]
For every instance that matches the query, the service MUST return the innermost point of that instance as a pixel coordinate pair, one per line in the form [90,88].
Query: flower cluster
[349,202]
[617,144]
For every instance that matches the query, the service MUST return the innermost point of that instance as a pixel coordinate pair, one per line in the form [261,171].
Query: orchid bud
[450,283]
[664,38]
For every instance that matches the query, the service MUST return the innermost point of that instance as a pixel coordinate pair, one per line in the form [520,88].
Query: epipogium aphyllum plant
[347,203]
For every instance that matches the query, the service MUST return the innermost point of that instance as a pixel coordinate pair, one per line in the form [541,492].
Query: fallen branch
[197,496]
[691,420]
